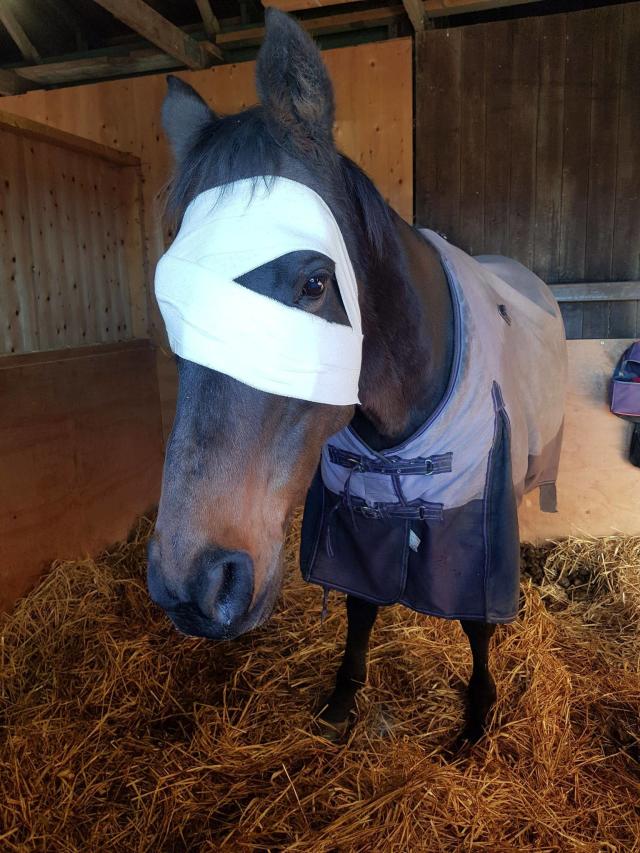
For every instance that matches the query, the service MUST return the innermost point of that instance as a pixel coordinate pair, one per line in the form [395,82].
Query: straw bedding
[118,734]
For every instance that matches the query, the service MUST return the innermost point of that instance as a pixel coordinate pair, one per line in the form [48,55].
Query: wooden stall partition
[80,454]
[527,145]
[374,126]
[80,421]
[72,264]
[597,484]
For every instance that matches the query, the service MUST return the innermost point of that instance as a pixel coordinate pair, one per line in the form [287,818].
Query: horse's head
[240,460]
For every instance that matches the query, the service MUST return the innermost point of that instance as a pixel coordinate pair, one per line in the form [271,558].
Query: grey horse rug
[432,523]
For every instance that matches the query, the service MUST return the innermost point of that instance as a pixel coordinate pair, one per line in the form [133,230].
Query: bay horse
[240,460]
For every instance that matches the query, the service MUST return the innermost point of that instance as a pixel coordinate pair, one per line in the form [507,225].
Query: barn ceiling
[52,43]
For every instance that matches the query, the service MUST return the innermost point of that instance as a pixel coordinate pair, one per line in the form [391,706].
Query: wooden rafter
[210,21]
[146,61]
[152,26]
[98,68]
[438,8]
[416,12]
[11,83]
[432,8]
[18,35]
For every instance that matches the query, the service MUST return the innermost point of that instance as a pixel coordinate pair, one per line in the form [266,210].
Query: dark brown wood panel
[550,173]
[472,133]
[80,452]
[497,171]
[549,145]
[576,147]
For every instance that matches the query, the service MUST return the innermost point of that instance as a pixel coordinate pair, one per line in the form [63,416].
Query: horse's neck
[408,340]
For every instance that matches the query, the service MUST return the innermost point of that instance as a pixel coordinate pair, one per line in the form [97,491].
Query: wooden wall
[80,454]
[597,484]
[374,123]
[71,262]
[527,135]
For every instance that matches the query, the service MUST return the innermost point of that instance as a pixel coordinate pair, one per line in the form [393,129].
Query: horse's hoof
[334,732]
[473,732]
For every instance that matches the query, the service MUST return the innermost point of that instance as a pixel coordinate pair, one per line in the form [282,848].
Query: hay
[118,734]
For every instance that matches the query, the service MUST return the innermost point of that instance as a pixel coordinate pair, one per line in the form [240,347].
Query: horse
[240,460]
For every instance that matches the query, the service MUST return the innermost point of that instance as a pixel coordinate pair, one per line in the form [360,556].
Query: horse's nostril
[223,584]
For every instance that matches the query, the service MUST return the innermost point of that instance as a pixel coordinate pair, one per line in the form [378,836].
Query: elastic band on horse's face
[214,321]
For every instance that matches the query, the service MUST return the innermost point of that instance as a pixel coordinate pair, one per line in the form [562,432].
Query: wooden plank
[95,67]
[607,49]
[425,177]
[524,117]
[416,13]
[595,320]
[152,26]
[438,139]
[572,316]
[11,83]
[136,258]
[472,136]
[385,149]
[626,249]
[18,34]
[597,487]
[69,261]
[298,5]
[597,291]
[549,147]
[437,8]
[16,315]
[624,319]
[81,455]
[36,130]
[498,118]
[434,8]
[577,131]
[316,26]
[209,20]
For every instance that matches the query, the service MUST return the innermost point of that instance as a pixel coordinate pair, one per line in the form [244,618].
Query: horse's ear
[294,86]
[184,116]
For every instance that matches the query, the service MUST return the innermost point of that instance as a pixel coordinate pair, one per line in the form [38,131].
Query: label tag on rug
[414,541]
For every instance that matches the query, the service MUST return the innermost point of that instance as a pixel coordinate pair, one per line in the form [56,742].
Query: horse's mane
[232,147]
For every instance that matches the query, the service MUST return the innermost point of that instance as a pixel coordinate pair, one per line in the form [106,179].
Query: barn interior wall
[374,126]
[527,145]
[71,261]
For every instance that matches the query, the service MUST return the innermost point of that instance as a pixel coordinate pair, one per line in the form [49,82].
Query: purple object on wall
[625,386]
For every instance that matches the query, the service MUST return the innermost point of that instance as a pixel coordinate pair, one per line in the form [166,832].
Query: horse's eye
[314,286]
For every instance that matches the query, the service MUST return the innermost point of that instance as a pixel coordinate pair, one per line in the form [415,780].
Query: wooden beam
[98,67]
[149,61]
[416,12]
[36,130]
[211,23]
[438,8]
[299,5]
[18,35]
[159,31]
[433,8]
[12,84]
[597,291]
[336,23]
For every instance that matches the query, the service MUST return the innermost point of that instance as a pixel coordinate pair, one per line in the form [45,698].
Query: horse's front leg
[352,673]
[481,692]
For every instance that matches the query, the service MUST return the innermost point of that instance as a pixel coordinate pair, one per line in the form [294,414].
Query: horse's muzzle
[213,599]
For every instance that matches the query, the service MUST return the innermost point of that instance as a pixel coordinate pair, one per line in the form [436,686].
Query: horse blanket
[432,523]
